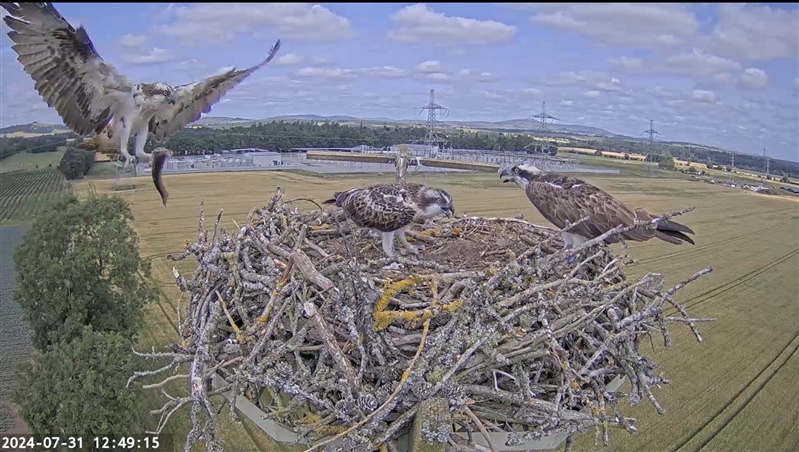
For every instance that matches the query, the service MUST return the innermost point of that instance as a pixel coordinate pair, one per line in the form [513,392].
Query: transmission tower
[767,161]
[542,117]
[431,138]
[650,166]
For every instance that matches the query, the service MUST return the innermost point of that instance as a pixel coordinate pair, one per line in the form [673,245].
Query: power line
[432,139]
[650,166]
[542,117]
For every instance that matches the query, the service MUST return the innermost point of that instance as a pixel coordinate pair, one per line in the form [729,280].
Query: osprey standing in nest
[92,96]
[564,200]
[392,208]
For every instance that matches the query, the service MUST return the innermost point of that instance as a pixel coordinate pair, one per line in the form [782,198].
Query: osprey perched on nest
[564,200]
[392,208]
[91,96]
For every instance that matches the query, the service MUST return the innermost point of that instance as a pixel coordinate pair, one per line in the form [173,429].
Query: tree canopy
[77,387]
[79,265]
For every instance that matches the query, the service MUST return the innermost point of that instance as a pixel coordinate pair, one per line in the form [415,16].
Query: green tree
[79,265]
[78,388]
[667,163]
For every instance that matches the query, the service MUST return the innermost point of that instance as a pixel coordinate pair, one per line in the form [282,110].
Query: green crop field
[25,194]
[733,391]
[14,344]
[31,161]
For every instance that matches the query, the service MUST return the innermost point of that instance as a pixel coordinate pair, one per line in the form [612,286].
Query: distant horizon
[443,120]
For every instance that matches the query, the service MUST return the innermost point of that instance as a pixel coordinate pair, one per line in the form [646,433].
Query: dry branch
[347,343]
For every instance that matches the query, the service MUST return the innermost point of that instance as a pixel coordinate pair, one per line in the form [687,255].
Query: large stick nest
[338,342]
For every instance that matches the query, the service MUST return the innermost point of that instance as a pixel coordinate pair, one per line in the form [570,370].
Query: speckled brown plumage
[392,207]
[564,200]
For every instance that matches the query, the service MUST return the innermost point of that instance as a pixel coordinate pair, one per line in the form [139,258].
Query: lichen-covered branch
[347,343]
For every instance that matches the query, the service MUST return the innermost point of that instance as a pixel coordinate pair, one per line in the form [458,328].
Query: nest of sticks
[303,314]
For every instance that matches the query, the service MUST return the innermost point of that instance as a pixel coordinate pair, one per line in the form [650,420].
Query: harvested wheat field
[733,391]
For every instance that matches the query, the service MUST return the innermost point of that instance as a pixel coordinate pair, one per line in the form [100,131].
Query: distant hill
[34,128]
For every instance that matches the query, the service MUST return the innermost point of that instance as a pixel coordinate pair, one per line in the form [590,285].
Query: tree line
[81,286]
[283,136]
[44,143]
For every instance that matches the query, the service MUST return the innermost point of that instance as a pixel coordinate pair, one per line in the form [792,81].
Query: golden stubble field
[731,392]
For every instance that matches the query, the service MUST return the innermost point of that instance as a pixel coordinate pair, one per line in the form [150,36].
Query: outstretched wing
[194,99]
[563,200]
[380,208]
[68,72]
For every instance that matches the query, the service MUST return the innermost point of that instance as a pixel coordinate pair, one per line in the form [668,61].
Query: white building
[264,158]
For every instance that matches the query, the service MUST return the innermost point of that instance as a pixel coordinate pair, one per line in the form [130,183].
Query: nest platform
[305,316]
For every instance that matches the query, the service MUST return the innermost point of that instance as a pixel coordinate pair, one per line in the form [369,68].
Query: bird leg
[404,241]
[141,140]
[388,243]
[122,131]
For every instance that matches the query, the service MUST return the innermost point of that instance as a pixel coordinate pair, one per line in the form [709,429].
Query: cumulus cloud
[629,24]
[429,67]
[418,23]
[326,73]
[631,64]
[155,55]
[698,62]
[384,72]
[218,23]
[289,59]
[756,32]
[595,80]
[754,78]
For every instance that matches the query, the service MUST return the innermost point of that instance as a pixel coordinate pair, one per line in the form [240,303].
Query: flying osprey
[564,200]
[92,96]
[392,208]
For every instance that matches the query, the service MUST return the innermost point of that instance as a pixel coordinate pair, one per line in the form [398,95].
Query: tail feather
[674,237]
[674,226]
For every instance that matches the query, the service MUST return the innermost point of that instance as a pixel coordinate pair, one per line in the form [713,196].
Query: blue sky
[718,74]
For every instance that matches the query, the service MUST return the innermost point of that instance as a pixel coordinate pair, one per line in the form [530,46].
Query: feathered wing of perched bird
[564,200]
[392,208]
[159,159]
[92,96]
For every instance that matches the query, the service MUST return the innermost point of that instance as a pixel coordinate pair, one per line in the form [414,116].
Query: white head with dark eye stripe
[435,201]
[522,174]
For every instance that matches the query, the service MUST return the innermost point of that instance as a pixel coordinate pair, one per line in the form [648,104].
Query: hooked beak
[171,98]
[449,211]
[506,175]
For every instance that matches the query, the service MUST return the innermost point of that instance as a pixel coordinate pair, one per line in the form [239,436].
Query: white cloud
[756,32]
[429,67]
[632,24]
[325,73]
[628,63]
[132,42]
[384,72]
[700,63]
[754,78]
[592,94]
[289,59]
[533,92]
[703,96]
[418,23]
[204,23]
[594,80]
[156,55]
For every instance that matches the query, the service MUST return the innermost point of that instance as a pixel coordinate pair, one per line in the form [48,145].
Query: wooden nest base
[329,337]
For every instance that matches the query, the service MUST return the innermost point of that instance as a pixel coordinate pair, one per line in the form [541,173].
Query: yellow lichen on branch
[382,318]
